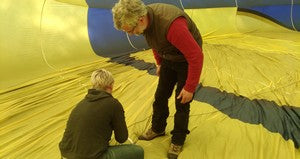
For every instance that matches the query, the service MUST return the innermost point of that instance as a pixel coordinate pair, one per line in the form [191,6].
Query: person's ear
[112,87]
[142,19]
[109,89]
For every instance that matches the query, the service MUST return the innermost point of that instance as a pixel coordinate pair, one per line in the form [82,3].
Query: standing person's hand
[185,96]
[158,70]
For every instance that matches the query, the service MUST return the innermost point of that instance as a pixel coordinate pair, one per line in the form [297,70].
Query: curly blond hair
[101,79]
[128,12]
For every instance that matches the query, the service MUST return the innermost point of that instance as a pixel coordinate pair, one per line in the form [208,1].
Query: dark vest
[161,16]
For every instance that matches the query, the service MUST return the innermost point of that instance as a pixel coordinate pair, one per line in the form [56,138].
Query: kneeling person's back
[92,122]
[90,126]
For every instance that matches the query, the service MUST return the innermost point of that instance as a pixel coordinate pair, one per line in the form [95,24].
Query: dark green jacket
[161,16]
[90,126]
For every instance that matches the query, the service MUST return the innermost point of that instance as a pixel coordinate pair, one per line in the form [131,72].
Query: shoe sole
[143,138]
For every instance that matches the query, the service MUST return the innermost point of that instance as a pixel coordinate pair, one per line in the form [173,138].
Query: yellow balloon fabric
[46,63]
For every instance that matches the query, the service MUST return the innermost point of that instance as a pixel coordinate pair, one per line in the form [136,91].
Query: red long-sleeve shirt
[180,36]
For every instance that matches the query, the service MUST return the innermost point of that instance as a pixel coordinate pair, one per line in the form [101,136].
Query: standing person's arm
[180,36]
[158,61]
[119,123]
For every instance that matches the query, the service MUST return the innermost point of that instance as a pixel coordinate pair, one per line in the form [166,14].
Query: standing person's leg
[181,117]
[126,151]
[167,81]
[164,90]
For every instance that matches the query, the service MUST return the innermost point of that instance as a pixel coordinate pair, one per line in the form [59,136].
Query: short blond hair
[128,12]
[101,79]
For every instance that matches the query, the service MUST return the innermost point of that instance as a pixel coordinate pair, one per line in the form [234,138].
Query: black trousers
[171,73]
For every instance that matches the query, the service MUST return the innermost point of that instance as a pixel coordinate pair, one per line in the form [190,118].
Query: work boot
[174,151]
[150,134]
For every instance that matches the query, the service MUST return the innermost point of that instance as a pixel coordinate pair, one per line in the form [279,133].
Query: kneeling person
[92,122]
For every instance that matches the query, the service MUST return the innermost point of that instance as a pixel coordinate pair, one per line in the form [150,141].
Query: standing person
[177,47]
[92,121]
